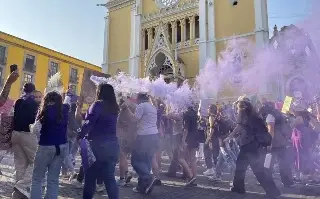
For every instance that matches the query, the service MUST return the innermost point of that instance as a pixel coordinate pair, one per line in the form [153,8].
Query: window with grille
[54,68]
[3,55]
[1,79]
[29,64]
[28,78]
[74,75]
[73,88]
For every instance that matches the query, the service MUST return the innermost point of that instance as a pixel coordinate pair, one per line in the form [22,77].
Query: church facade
[174,38]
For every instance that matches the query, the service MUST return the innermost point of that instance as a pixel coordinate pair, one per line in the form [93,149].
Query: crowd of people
[49,130]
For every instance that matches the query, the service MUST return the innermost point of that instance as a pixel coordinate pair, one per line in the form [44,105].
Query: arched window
[187,29]
[178,31]
[169,32]
[197,32]
[146,40]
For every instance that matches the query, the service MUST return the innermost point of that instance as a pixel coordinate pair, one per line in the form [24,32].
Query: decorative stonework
[115,4]
[166,3]
[178,46]
[160,45]
[178,8]
[187,43]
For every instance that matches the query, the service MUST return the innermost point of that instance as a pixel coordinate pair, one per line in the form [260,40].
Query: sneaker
[100,187]
[76,183]
[150,187]
[214,178]
[231,184]
[121,182]
[65,176]
[23,191]
[17,194]
[157,182]
[136,190]
[209,172]
[191,181]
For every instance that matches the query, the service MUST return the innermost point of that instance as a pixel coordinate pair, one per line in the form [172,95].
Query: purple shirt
[99,124]
[54,132]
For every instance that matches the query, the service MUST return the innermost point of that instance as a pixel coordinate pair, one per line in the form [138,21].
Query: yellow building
[37,63]
[175,37]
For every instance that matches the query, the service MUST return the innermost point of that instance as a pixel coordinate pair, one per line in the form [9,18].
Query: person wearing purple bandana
[24,143]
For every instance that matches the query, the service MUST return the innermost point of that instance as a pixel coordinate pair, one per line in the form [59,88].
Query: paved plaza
[172,188]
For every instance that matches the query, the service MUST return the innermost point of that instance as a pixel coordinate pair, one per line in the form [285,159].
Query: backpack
[260,132]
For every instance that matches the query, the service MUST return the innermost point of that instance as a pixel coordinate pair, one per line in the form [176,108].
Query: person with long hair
[100,126]
[24,143]
[146,144]
[53,147]
[251,152]
[126,131]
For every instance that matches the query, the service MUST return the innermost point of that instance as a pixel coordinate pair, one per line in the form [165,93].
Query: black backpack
[260,132]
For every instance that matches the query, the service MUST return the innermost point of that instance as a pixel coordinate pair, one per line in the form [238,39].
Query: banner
[88,88]
[286,104]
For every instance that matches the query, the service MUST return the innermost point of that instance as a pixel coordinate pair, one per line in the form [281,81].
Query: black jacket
[25,112]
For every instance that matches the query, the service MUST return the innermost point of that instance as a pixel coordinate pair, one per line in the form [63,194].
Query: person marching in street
[146,143]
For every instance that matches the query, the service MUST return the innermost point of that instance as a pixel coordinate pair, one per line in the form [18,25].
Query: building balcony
[30,68]
[74,80]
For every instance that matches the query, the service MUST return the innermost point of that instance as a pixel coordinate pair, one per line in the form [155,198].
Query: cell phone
[13,67]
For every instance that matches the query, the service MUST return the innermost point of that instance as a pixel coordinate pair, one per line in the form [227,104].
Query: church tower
[176,37]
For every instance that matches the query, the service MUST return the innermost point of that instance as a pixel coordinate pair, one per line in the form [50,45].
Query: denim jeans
[225,158]
[211,152]
[106,153]
[47,160]
[145,148]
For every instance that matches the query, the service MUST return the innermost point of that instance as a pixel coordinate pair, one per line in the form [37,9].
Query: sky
[76,27]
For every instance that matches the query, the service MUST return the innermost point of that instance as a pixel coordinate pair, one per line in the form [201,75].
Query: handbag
[87,156]
[6,128]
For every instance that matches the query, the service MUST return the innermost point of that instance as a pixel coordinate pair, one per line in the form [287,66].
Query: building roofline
[38,45]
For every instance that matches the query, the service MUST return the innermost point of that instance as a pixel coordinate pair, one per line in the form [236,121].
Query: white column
[203,33]
[105,64]
[135,40]
[261,21]
[262,31]
[211,45]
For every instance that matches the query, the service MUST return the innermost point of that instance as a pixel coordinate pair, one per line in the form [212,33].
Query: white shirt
[146,114]
[270,119]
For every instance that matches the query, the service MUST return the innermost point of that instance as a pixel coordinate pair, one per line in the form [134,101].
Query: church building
[174,38]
